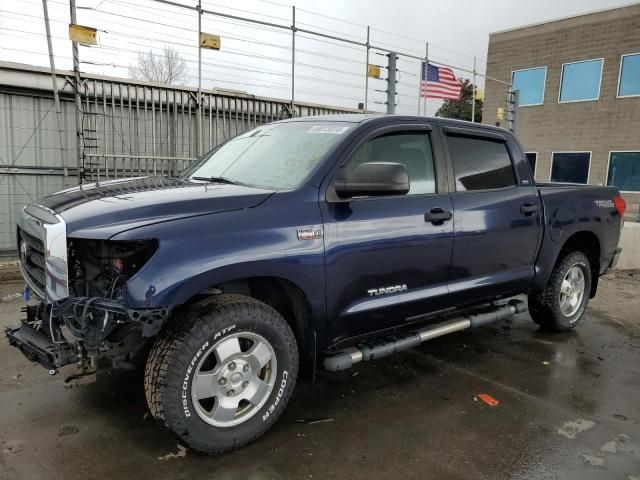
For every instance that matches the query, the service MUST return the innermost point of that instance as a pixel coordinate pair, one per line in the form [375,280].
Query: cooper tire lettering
[281,389]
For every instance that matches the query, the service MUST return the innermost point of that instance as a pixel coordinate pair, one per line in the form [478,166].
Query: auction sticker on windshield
[335,130]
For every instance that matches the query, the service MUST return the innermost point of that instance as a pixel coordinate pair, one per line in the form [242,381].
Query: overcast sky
[257,59]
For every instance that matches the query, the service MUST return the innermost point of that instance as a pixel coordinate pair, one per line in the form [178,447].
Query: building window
[629,82]
[480,164]
[530,85]
[580,81]
[532,158]
[624,171]
[570,167]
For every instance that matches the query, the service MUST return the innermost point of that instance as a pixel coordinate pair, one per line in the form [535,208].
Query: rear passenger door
[496,215]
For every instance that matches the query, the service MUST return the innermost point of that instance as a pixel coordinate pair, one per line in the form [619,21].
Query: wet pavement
[569,407]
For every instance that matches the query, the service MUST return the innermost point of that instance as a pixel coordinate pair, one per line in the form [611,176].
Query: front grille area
[42,248]
[31,251]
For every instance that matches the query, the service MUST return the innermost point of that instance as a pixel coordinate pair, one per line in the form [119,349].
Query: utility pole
[76,88]
[391,83]
[199,141]
[293,61]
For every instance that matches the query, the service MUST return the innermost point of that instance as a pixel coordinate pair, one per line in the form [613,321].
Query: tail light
[620,204]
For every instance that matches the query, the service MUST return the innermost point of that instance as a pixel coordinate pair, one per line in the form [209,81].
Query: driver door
[386,262]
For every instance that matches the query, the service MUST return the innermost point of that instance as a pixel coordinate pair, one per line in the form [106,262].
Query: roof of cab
[380,117]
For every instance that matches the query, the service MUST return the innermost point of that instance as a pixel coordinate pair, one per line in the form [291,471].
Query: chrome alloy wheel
[234,379]
[572,291]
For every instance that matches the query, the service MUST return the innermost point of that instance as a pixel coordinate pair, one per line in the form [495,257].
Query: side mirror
[374,179]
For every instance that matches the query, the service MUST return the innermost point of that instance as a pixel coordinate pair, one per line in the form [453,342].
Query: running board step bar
[363,352]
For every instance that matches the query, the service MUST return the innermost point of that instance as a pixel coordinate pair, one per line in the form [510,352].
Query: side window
[480,164]
[412,149]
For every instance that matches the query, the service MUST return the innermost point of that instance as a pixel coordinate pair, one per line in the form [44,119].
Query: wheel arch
[588,243]
[289,300]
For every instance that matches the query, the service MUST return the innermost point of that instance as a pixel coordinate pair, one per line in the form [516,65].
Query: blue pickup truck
[310,243]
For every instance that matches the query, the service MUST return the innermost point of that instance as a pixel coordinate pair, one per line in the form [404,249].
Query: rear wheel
[564,301]
[223,374]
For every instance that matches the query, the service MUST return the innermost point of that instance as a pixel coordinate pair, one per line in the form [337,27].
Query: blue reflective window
[629,75]
[530,85]
[570,167]
[624,171]
[580,81]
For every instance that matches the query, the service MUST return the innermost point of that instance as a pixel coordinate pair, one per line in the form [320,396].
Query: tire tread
[164,355]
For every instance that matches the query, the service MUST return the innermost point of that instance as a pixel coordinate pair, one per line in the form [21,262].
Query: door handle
[437,216]
[528,208]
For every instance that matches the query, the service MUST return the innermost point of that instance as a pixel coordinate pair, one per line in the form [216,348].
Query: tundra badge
[374,292]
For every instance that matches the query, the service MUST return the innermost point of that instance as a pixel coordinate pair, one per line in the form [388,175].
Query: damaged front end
[82,316]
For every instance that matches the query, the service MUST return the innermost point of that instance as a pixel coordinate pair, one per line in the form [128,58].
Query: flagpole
[426,62]
[473,94]
[420,84]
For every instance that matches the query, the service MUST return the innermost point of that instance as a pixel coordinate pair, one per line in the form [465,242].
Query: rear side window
[480,164]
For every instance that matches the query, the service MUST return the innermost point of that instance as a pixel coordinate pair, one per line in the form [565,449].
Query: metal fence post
[293,61]
[199,99]
[473,93]
[54,79]
[426,62]
[76,90]
[512,109]
[391,83]
[516,104]
[366,73]
[422,67]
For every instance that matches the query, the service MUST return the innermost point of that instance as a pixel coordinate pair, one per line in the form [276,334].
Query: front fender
[200,252]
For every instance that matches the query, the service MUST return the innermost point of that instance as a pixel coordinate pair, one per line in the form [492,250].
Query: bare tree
[166,67]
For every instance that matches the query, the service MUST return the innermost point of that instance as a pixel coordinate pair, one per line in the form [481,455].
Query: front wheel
[563,303]
[223,373]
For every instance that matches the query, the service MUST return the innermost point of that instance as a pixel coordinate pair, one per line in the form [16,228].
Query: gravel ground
[569,407]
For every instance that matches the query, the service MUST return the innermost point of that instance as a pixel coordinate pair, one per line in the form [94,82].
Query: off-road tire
[544,307]
[168,377]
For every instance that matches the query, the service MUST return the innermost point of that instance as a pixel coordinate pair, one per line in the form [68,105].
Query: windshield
[277,156]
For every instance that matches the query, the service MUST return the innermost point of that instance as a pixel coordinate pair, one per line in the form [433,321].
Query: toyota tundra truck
[305,244]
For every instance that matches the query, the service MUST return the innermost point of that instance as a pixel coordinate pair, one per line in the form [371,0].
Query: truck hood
[100,211]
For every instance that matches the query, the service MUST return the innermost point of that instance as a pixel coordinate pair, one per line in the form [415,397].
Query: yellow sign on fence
[82,34]
[209,41]
[373,71]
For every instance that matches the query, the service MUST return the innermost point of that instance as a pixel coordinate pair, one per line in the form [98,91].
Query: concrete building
[579,86]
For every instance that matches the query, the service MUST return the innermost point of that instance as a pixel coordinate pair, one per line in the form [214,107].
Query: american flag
[439,82]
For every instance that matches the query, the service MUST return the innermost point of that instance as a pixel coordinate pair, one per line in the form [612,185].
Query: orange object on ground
[488,399]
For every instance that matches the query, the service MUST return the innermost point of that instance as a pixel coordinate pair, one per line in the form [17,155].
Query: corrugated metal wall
[128,129]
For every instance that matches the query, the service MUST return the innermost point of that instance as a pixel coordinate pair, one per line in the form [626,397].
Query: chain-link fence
[296,62]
